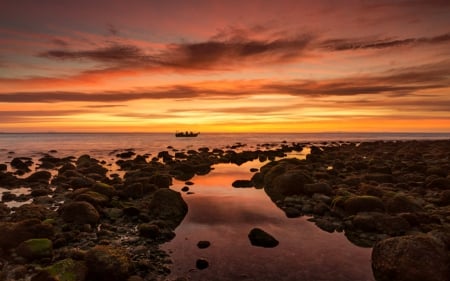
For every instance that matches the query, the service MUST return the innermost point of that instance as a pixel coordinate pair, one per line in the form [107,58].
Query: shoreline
[372,191]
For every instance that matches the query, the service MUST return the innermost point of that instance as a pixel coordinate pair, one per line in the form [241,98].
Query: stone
[168,205]
[203,244]
[37,248]
[80,212]
[40,176]
[260,238]
[185,189]
[410,258]
[320,188]
[242,183]
[401,203]
[107,263]
[291,183]
[202,264]
[95,198]
[13,233]
[63,270]
[149,230]
[363,203]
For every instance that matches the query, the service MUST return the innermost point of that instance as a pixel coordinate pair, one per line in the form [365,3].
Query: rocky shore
[84,222]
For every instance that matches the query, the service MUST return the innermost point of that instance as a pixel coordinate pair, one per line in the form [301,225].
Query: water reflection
[224,216]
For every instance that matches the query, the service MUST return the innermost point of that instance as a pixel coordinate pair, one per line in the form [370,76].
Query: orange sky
[225,66]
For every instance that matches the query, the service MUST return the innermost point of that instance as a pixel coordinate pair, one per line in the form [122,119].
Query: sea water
[224,215]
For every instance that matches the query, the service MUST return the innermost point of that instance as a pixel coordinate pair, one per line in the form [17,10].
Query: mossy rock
[108,263]
[95,198]
[104,189]
[35,248]
[64,270]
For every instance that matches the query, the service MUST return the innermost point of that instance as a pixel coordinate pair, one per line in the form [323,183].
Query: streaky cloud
[344,44]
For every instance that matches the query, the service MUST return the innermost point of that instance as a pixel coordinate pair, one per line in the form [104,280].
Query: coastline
[372,191]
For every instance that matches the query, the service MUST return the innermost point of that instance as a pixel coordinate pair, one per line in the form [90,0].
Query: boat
[186,134]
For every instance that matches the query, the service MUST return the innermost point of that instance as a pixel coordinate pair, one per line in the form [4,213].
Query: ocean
[222,214]
[100,144]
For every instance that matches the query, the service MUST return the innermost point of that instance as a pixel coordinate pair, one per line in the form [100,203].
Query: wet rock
[439,183]
[202,264]
[127,154]
[242,183]
[18,164]
[104,189]
[410,258]
[107,263]
[40,176]
[15,233]
[364,203]
[401,203]
[32,211]
[320,188]
[3,167]
[35,249]
[185,189]
[290,183]
[203,244]
[168,205]
[139,190]
[260,238]
[95,198]
[79,212]
[63,270]
[149,230]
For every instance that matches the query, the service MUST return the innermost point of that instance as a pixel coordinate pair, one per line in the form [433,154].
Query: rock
[400,203]
[35,249]
[242,183]
[79,212]
[3,167]
[364,203]
[15,233]
[320,187]
[107,263]
[202,264]
[149,230]
[260,238]
[40,176]
[139,190]
[168,205]
[104,189]
[63,270]
[18,164]
[410,258]
[185,189]
[127,154]
[439,183]
[32,211]
[95,198]
[203,244]
[291,183]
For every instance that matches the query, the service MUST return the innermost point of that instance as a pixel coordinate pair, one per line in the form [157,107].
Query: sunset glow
[224,66]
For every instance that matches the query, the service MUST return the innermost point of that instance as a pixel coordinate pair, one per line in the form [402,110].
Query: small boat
[186,134]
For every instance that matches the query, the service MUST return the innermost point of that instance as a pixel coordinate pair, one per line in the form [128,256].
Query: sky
[225,66]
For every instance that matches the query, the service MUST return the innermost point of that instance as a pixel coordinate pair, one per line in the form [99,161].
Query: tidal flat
[374,210]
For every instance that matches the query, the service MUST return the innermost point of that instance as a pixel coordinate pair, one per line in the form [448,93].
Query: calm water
[224,215]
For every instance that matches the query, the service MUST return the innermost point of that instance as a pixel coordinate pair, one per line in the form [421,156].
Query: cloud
[112,29]
[345,44]
[112,54]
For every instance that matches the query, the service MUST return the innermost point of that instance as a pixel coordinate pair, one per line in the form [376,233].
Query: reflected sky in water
[225,215]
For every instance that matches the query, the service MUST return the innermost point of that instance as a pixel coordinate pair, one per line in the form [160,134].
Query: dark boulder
[364,203]
[15,233]
[79,212]
[108,263]
[242,183]
[35,249]
[400,203]
[260,238]
[410,258]
[168,205]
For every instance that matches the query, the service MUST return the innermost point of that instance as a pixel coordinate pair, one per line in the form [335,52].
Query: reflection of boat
[186,134]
